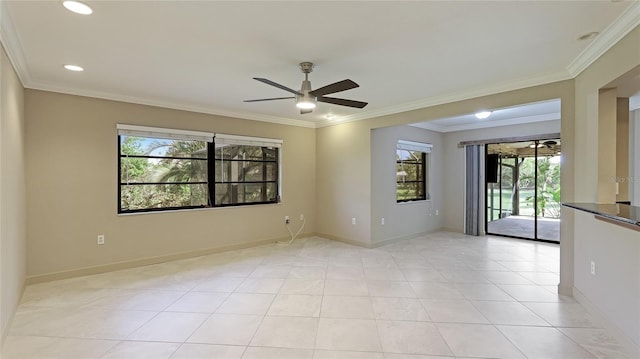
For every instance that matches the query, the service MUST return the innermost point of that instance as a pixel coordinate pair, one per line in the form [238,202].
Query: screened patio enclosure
[523,189]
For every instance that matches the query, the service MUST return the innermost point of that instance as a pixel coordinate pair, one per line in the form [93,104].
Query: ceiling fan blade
[269,99]
[334,87]
[303,111]
[275,84]
[342,102]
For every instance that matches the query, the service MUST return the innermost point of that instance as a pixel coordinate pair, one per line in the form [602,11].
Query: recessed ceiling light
[77,7]
[483,114]
[73,68]
[589,35]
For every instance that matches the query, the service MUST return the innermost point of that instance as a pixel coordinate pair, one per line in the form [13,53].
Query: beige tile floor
[444,295]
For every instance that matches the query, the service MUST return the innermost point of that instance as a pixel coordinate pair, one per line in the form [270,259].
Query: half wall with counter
[607,266]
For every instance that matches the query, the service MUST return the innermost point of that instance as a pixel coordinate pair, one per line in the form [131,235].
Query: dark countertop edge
[588,207]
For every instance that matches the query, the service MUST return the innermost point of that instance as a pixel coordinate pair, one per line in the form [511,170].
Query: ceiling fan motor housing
[306,97]
[306,67]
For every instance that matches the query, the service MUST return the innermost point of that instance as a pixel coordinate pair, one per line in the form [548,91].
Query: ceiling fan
[306,98]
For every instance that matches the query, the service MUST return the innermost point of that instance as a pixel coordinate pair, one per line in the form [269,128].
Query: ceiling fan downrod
[306,101]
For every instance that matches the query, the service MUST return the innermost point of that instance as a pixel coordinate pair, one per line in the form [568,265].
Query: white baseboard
[402,238]
[344,240]
[103,268]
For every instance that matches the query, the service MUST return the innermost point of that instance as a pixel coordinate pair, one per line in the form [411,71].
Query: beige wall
[621,58]
[614,292]
[622,149]
[634,156]
[606,144]
[407,219]
[72,187]
[343,191]
[13,236]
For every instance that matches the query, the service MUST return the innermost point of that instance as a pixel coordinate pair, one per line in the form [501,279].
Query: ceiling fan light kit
[306,101]
[306,98]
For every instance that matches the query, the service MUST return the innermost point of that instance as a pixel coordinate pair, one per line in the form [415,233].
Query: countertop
[617,212]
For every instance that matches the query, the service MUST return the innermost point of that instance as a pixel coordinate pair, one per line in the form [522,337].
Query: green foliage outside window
[165,179]
[411,178]
[160,174]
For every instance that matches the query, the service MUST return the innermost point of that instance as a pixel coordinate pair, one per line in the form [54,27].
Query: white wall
[454,166]
[410,218]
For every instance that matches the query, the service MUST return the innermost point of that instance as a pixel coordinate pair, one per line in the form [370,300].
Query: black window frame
[421,165]
[264,161]
[210,183]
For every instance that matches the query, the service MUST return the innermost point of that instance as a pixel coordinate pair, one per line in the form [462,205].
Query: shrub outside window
[162,169]
[245,174]
[157,173]
[412,163]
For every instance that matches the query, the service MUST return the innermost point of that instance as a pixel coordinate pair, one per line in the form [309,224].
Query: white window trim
[176,134]
[168,133]
[222,139]
[414,146]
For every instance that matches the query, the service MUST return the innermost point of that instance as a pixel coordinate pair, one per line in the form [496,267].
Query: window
[245,172]
[162,169]
[412,163]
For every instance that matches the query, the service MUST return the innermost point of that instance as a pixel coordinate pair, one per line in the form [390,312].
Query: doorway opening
[523,189]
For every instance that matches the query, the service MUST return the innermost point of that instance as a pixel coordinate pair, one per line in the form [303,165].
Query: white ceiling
[525,113]
[202,55]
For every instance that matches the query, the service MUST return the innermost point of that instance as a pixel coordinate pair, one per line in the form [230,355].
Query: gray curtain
[473,213]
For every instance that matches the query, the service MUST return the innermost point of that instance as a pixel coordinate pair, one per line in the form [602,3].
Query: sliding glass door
[523,189]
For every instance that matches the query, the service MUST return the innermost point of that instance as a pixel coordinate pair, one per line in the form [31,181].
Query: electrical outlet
[101,239]
[287,220]
[593,268]
[353,220]
[302,217]
[437,212]
[382,221]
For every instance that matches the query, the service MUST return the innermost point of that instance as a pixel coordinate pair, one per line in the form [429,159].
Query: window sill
[197,209]
[414,202]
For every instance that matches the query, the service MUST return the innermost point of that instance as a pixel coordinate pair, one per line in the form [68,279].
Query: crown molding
[488,124]
[613,33]
[453,97]
[173,105]
[626,22]
[13,45]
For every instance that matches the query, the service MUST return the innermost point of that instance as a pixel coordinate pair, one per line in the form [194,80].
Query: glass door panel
[523,194]
[548,212]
